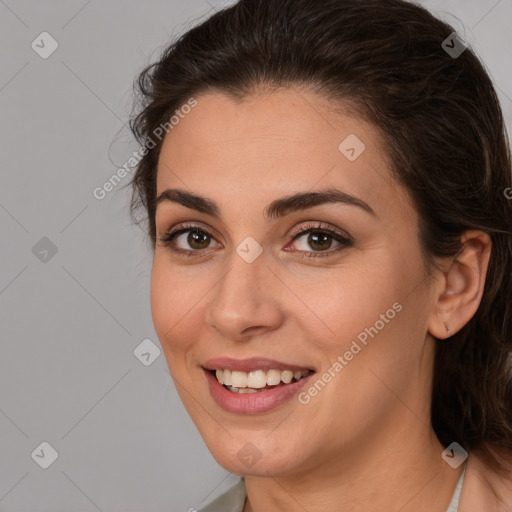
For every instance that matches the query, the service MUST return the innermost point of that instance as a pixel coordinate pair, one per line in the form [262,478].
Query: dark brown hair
[444,134]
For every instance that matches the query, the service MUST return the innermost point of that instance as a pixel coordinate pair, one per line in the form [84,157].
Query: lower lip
[252,403]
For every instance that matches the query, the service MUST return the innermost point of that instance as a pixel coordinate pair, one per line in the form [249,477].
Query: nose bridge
[243,297]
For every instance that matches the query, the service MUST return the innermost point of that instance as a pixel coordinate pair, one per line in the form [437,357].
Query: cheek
[348,300]
[162,302]
[369,313]
[172,301]
[380,337]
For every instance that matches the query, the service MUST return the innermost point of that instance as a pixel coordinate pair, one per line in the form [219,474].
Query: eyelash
[345,241]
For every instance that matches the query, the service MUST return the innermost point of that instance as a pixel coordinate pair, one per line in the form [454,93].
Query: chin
[257,456]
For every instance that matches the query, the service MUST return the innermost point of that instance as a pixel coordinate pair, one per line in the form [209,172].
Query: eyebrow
[276,209]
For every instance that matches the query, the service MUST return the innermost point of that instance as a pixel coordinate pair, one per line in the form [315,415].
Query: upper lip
[250,365]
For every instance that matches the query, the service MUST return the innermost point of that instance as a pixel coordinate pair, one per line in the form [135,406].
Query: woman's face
[332,290]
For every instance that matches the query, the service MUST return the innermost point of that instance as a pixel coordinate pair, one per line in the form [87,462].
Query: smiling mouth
[257,381]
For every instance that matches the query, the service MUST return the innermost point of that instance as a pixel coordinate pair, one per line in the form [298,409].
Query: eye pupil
[313,239]
[193,237]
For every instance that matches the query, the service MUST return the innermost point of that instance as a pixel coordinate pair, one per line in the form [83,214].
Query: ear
[460,285]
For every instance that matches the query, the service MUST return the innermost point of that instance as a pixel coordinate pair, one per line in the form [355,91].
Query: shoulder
[485,488]
[233,500]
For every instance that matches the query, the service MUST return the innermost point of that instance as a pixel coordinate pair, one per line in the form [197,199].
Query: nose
[246,300]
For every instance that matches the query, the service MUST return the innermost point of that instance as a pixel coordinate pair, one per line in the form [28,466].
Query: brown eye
[198,239]
[187,239]
[319,241]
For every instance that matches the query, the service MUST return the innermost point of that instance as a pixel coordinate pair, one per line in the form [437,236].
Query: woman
[326,191]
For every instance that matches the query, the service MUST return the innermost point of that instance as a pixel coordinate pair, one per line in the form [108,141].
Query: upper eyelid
[301,230]
[186,225]
[320,226]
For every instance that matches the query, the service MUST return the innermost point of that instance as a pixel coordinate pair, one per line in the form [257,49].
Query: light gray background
[70,324]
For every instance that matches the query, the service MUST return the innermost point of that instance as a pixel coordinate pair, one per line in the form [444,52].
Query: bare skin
[365,442]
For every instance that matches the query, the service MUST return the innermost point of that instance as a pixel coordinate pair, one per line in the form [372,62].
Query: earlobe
[461,286]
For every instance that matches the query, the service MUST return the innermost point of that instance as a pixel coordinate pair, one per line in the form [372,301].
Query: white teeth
[287,376]
[273,377]
[257,379]
[246,390]
[239,379]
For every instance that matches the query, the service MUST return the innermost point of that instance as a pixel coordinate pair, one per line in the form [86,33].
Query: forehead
[274,144]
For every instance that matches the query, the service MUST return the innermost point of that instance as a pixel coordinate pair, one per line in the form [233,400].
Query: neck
[398,467]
